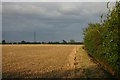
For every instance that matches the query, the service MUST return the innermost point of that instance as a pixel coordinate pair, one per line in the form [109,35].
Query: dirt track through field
[48,61]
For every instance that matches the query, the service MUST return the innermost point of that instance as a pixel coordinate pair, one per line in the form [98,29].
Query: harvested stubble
[35,60]
[48,61]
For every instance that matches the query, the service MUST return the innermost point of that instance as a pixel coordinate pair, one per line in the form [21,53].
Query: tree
[64,42]
[3,41]
[23,42]
[72,41]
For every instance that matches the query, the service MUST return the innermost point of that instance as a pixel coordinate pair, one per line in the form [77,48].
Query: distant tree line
[50,42]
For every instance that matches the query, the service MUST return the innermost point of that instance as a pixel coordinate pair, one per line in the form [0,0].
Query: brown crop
[47,61]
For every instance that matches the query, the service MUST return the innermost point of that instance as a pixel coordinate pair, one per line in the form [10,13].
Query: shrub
[102,40]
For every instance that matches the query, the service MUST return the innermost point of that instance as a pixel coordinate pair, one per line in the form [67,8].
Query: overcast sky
[50,21]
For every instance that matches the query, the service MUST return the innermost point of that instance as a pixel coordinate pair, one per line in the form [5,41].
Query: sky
[51,21]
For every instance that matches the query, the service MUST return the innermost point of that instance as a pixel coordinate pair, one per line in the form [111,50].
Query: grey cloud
[51,21]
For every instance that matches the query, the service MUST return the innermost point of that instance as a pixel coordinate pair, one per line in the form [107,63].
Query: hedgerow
[102,39]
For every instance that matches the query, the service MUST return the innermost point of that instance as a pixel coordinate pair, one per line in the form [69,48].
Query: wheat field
[34,60]
[48,61]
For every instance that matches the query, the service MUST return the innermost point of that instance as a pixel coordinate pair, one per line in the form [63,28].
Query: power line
[34,36]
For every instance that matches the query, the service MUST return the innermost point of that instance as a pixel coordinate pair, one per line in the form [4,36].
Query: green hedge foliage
[102,39]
